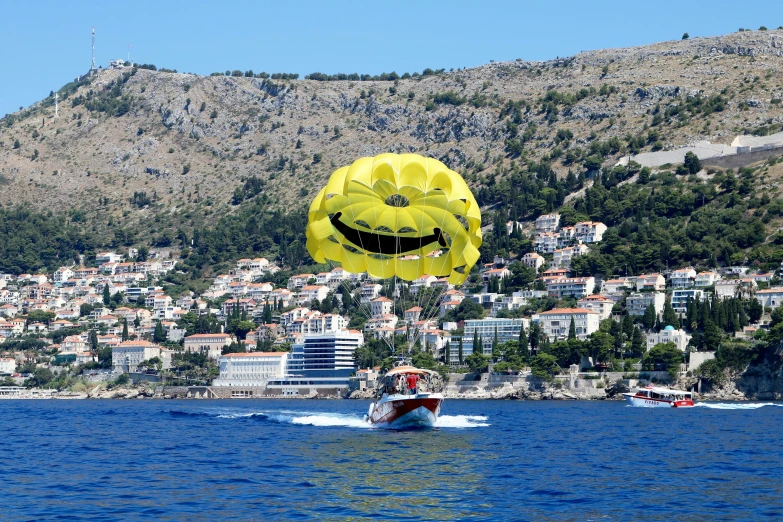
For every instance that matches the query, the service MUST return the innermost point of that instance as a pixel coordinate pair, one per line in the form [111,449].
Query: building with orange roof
[556,323]
[127,356]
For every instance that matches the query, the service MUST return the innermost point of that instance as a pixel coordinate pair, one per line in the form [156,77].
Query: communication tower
[92,67]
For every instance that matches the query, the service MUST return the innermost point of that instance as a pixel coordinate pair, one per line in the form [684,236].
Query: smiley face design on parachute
[396,215]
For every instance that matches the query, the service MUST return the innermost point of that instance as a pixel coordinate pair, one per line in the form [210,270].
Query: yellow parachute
[398,215]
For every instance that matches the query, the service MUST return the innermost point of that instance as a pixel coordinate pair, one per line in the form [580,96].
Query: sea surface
[318,460]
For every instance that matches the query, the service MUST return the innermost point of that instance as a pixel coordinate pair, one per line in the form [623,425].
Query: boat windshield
[396,383]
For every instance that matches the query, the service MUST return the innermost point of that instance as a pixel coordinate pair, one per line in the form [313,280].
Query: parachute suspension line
[427,312]
[389,341]
[346,289]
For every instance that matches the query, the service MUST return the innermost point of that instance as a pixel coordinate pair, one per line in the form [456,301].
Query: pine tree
[572,329]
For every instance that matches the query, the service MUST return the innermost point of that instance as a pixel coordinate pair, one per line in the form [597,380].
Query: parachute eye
[397,200]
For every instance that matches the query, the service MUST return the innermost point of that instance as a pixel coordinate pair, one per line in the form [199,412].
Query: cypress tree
[670,316]
[648,319]
[447,352]
[523,346]
[459,351]
[159,335]
[572,329]
[267,313]
[124,330]
[743,317]
[637,341]
[93,338]
[106,294]
[476,341]
[495,343]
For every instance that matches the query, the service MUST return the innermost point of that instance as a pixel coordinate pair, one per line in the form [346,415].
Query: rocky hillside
[137,146]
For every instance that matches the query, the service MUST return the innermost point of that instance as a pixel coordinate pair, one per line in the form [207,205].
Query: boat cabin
[664,394]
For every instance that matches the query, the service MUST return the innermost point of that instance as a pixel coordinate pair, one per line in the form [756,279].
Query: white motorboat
[399,407]
[654,397]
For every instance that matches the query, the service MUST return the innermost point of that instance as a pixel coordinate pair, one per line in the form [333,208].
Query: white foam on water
[325,419]
[735,406]
[241,415]
[461,421]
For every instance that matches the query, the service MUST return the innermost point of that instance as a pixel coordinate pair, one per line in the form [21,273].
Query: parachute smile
[386,244]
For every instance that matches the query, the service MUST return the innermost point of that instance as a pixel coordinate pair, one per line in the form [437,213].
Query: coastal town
[110,322]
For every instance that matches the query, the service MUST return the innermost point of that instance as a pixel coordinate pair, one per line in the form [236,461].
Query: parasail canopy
[400,215]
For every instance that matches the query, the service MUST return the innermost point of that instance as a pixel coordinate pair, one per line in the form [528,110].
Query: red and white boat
[396,407]
[652,397]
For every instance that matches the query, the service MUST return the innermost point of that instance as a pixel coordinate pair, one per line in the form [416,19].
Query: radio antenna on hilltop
[129,50]
[92,67]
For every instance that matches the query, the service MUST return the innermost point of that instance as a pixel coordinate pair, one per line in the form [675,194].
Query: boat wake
[323,419]
[735,406]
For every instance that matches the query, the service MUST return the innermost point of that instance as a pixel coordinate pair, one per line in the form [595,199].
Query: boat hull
[648,402]
[401,411]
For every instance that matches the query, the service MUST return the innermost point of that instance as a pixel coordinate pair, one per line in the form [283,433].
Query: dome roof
[670,327]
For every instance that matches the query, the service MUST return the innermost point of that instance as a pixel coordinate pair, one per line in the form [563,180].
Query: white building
[370,291]
[546,242]
[726,288]
[548,223]
[683,277]
[210,345]
[296,282]
[562,257]
[571,287]
[532,260]
[7,365]
[669,335]
[706,279]
[589,231]
[598,304]
[680,299]
[636,304]
[251,368]
[654,282]
[126,356]
[507,330]
[381,306]
[770,298]
[331,351]
[556,323]
[616,286]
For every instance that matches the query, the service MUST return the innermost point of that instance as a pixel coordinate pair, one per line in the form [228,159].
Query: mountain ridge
[156,151]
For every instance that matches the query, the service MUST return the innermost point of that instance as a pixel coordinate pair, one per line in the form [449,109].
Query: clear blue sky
[45,44]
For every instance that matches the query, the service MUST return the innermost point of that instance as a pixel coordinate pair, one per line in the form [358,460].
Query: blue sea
[317,460]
